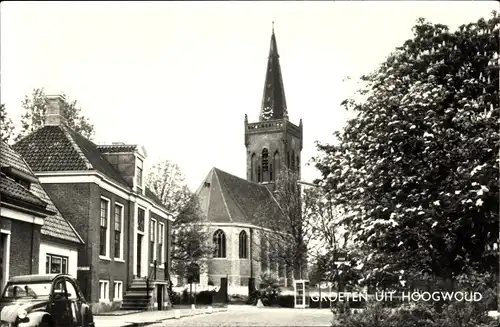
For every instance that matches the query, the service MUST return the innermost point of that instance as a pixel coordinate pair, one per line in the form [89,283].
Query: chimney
[55,105]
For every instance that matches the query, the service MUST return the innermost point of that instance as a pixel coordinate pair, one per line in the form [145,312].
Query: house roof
[226,198]
[54,225]
[59,148]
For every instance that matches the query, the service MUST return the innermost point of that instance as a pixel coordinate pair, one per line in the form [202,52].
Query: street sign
[85,268]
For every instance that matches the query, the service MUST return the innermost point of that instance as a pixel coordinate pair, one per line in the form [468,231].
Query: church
[233,206]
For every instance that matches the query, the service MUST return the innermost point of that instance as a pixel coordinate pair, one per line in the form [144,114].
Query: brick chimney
[55,105]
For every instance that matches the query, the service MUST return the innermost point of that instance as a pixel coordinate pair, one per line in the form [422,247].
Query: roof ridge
[224,199]
[245,180]
[227,189]
[76,147]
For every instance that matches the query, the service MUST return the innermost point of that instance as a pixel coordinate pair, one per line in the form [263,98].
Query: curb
[146,323]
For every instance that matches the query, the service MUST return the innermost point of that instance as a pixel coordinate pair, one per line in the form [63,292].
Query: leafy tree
[417,168]
[6,125]
[35,108]
[190,243]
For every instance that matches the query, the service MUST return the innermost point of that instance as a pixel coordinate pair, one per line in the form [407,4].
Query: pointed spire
[273,100]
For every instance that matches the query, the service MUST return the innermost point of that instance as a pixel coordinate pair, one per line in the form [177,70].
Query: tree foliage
[417,169]
[6,125]
[35,108]
[190,243]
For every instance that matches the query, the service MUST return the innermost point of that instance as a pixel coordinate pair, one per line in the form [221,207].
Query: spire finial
[273,26]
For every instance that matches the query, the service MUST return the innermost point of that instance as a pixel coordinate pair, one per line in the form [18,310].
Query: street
[251,316]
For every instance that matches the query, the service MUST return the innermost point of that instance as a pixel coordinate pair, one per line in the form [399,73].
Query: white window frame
[120,258]
[137,185]
[155,239]
[50,256]
[161,234]
[106,256]
[103,290]
[117,290]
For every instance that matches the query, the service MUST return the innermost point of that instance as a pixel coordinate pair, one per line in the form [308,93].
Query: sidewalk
[143,318]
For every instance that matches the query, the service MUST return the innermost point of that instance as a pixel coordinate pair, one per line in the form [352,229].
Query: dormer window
[139,173]
[19,176]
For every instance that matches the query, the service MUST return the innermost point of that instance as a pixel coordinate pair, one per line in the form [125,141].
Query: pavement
[253,316]
[143,318]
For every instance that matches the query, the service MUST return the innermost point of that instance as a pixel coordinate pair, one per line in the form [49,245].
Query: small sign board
[86,268]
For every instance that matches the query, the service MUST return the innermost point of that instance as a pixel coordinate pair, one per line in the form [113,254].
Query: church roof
[226,198]
[273,99]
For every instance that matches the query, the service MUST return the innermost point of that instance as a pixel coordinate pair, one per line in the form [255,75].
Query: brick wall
[24,248]
[75,203]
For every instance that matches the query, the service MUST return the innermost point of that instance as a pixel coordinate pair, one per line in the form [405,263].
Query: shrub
[286,301]
[269,288]
[205,297]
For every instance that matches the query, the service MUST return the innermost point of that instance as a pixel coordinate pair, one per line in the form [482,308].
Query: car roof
[36,278]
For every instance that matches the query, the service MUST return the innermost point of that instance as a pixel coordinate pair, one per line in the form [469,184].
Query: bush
[269,288]
[205,297]
[286,301]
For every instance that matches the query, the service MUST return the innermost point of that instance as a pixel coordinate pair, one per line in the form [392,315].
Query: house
[101,190]
[235,206]
[35,238]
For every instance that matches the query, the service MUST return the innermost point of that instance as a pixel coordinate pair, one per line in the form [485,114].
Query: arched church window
[265,160]
[298,165]
[253,166]
[243,245]
[292,166]
[271,173]
[276,164]
[258,174]
[219,244]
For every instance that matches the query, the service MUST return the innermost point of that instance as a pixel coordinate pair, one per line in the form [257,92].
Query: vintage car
[44,300]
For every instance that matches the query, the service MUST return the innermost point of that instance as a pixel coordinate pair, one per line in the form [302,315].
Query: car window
[71,289]
[29,290]
[59,290]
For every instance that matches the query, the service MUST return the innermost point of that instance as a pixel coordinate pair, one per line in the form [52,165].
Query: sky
[179,77]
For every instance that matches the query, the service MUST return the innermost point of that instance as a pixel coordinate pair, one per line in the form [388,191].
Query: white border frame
[106,287]
[122,232]
[107,256]
[120,297]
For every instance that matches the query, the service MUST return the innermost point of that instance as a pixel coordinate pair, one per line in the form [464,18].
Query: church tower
[273,142]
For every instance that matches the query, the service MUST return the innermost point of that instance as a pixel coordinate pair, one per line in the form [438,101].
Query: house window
[104,230]
[56,264]
[103,290]
[265,160]
[118,231]
[118,290]
[219,244]
[152,240]
[161,239]
[276,164]
[141,214]
[243,245]
[139,173]
[253,166]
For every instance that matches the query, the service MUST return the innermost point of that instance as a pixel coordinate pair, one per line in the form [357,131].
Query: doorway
[159,296]
[139,251]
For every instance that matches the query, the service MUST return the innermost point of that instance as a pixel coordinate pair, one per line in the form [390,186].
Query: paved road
[252,316]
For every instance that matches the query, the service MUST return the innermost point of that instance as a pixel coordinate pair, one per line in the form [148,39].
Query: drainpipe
[32,247]
[251,253]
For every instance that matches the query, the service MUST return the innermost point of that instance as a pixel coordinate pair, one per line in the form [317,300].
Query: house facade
[101,190]
[235,208]
[34,237]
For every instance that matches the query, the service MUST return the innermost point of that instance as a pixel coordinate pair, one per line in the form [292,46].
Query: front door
[159,296]
[75,303]
[139,251]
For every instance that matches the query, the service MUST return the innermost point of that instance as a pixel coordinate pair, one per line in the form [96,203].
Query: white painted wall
[58,249]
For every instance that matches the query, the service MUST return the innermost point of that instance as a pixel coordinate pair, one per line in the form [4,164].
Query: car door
[59,304]
[75,302]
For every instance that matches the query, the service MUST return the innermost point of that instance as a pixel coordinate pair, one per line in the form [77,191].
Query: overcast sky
[178,77]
